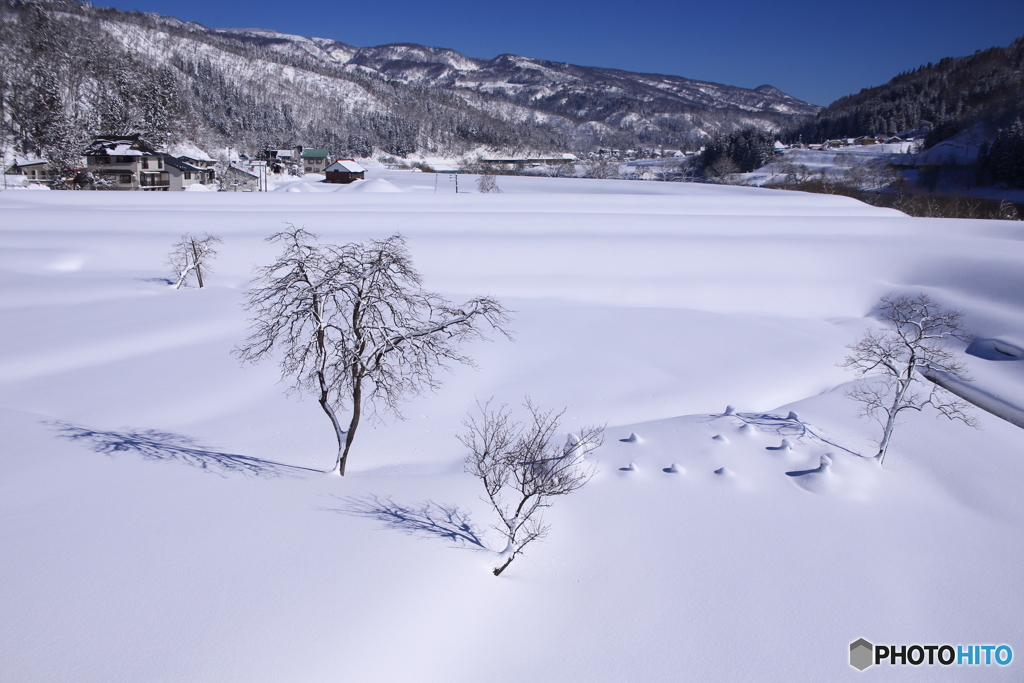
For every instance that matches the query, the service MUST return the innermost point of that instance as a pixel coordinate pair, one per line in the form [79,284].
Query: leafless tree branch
[915,340]
[354,326]
[521,470]
[193,255]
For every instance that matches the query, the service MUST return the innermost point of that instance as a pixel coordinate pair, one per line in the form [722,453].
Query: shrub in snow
[486,183]
[192,255]
[522,471]
[355,327]
[912,347]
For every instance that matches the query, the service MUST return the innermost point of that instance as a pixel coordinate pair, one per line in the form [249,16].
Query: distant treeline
[986,87]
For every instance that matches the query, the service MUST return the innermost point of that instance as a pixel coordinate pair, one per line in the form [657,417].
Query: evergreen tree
[1003,161]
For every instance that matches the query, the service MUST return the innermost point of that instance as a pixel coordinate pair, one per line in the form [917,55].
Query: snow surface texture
[165,516]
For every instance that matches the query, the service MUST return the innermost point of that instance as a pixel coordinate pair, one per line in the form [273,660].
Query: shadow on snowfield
[153,444]
[426,520]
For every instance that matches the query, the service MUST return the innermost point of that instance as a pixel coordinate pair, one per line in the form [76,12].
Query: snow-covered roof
[178,163]
[345,166]
[26,161]
[130,145]
[197,156]
[123,150]
[235,169]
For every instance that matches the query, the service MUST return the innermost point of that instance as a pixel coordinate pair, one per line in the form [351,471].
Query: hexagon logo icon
[861,654]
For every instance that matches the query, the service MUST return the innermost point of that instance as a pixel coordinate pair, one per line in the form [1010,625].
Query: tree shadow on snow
[425,520]
[153,444]
[788,426]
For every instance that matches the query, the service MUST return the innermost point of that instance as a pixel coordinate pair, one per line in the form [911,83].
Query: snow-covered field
[163,515]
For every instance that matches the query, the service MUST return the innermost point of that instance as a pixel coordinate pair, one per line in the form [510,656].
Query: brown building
[345,171]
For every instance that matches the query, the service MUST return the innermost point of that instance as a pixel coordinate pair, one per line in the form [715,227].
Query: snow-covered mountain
[579,91]
[72,70]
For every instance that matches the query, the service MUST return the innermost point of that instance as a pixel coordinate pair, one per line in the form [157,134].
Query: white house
[181,174]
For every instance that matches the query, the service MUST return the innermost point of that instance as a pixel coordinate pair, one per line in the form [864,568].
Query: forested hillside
[69,70]
[986,87]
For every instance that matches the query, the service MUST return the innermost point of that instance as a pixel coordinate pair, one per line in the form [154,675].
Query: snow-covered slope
[180,82]
[163,515]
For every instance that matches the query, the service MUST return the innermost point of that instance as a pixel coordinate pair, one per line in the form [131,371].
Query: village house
[315,160]
[36,171]
[125,163]
[280,160]
[237,180]
[344,171]
[519,162]
[181,174]
[198,159]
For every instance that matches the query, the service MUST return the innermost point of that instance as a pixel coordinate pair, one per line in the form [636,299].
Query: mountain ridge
[983,89]
[71,70]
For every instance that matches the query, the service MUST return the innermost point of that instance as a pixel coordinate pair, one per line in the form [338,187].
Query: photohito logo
[863,654]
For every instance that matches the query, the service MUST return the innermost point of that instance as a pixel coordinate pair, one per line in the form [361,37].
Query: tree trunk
[181,278]
[195,260]
[893,411]
[499,570]
[357,409]
[883,445]
[326,405]
[509,552]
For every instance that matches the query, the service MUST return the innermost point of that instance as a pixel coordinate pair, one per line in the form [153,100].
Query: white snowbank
[372,186]
[164,515]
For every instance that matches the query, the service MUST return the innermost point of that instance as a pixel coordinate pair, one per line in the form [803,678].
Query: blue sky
[816,51]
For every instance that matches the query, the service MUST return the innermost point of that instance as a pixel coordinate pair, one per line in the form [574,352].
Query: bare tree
[600,168]
[355,327]
[1007,211]
[486,183]
[522,471]
[193,255]
[903,354]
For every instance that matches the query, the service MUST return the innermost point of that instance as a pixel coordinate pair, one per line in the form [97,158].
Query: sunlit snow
[165,516]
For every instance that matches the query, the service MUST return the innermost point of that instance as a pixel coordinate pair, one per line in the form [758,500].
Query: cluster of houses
[313,160]
[129,163]
[849,142]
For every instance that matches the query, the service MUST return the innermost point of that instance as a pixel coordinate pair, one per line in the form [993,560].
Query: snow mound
[818,480]
[674,468]
[632,438]
[786,445]
[719,438]
[725,472]
[303,185]
[994,349]
[375,185]
[630,468]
